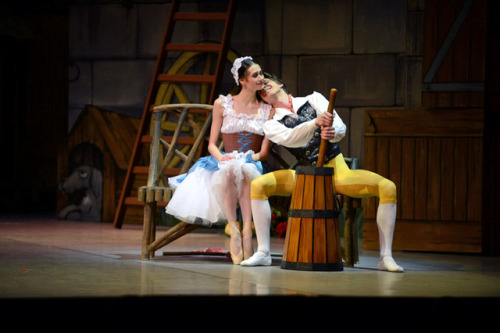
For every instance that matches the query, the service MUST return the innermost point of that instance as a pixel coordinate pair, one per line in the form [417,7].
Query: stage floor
[47,259]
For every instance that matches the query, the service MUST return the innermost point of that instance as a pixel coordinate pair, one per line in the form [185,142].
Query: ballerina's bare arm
[215,132]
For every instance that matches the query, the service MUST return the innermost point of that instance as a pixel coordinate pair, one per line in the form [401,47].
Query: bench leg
[148,228]
[350,233]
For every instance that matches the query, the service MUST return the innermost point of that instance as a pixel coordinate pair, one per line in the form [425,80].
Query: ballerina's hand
[226,158]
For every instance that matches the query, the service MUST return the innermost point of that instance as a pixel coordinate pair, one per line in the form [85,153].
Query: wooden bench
[157,191]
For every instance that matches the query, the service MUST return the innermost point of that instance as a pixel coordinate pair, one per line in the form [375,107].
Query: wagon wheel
[169,93]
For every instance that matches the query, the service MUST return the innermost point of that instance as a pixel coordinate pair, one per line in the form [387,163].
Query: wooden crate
[435,158]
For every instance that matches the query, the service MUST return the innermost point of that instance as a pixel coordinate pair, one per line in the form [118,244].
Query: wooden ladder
[172,79]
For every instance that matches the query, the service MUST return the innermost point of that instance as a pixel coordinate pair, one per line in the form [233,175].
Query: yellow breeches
[353,183]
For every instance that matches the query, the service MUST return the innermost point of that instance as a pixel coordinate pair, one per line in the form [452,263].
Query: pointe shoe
[247,244]
[258,259]
[227,229]
[236,249]
[387,263]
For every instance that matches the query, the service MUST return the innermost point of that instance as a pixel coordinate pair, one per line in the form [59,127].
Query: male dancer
[299,124]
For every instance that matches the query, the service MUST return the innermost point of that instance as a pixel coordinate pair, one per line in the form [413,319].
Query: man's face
[271,88]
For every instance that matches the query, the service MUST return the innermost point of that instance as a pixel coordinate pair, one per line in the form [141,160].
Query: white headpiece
[236,66]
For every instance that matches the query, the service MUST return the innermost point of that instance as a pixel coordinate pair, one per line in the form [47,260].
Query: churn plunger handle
[322,147]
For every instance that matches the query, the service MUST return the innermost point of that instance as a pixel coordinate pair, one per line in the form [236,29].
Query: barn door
[434,155]
[454,53]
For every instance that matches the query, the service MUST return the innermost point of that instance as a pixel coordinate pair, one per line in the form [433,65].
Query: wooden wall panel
[434,179]
[420,179]
[370,204]
[436,169]
[465,60]
[407,178]
[395,162]
[460,176]
[475,168]
[478,33]
[447,169]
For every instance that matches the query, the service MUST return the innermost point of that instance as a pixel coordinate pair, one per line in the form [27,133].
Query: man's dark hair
[276,79]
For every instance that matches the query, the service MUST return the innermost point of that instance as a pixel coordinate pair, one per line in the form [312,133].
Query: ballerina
[212,189]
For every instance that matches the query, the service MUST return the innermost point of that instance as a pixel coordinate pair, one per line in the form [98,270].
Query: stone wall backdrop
[369,50]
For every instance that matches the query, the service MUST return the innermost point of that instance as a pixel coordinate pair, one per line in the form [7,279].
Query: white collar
[282,112]
[297,102]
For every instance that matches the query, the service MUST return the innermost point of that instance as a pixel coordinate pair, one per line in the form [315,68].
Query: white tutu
[239,166]
[193,200]
[198,196]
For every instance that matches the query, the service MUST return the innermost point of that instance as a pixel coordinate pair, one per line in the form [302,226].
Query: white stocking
[261,211]
[386,220]
[230,198]
[246,213]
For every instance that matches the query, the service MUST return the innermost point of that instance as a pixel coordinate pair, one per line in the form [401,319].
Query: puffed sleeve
[289,137]
[320,104]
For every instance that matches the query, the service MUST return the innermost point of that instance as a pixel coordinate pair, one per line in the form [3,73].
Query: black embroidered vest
[308,154]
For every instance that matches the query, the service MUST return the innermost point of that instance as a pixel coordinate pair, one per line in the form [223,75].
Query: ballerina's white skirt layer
[199,194]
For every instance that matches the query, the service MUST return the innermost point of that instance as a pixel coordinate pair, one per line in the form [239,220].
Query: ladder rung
[200,47]
[187,16]
[183,140]
[144,170]
[133,201]
[191,111]
[186,78]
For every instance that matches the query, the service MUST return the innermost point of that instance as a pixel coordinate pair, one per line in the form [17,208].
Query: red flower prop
[281,229]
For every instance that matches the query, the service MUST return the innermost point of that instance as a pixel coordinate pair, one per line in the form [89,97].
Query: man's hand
[326,119]
[327,132]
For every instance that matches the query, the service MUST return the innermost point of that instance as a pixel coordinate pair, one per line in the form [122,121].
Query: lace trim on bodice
[233,122]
